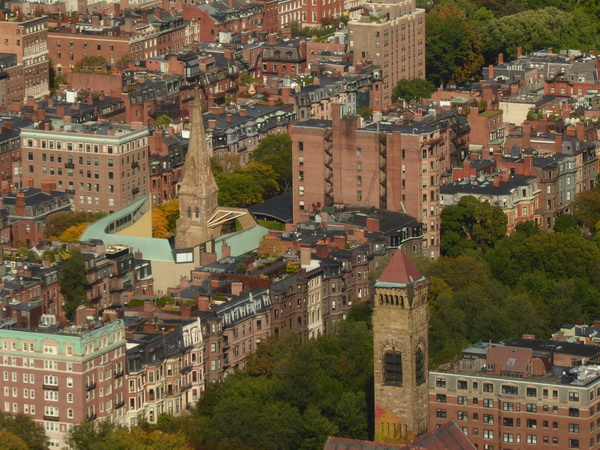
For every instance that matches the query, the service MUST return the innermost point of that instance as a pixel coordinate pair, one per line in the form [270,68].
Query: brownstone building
[400,346]
[392,36]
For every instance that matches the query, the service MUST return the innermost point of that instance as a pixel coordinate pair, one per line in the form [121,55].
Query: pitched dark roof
[278,208]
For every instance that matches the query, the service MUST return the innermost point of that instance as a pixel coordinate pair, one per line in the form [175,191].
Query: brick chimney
[273,39]
[519,52]
[229,117]
[212,123]
[225,251]
[339,242]
[558,142]
[321,250]
[372,224]
[581,131]
[203,303]
[242,111]
[48,186]
[237,288]
[528,169]
[496,182]
[245,37]
[526,128]
[305,256]
[500,58]
[491,72]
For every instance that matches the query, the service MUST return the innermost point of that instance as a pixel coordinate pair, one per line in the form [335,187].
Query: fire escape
[328,156]
[383,170]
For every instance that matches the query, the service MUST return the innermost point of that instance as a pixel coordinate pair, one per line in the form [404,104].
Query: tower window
[189,213]
[197,213]
[420,366]
[392,366]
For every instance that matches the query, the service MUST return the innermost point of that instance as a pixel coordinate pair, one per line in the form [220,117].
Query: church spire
[198,191]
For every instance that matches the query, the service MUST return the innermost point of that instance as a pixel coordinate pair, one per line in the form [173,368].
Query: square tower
[400,345]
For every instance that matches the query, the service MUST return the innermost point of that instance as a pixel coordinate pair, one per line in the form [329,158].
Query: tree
[11,441]
[413,89]
[163,121]
[365,112]
[239,189]
[170,210]
[73,281]
[265,175]
[471,220]
[160,225]
[91,62]
[73,233]
[586,208]
[58,223]
[566,223]
[454,46]
[26,429]
[275,150]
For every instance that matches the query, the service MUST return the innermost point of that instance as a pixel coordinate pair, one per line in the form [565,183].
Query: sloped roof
[400,271]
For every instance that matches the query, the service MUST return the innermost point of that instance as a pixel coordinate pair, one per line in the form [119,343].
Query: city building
[522,393]
[103,166]
[62,377]
[392,36]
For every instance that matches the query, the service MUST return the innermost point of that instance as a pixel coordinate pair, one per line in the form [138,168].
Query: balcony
[186,369]
[51,387]
[119,374]
[120,404]
[90,387]
[91,417]
[69,165]
[52,418]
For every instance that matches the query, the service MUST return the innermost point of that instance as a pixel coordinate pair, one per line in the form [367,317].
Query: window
[511,390]
[488,387]
[462,415]
[420,366]
[462,400]
[531,423]
[573,412]
[531,407]
[573,443]
[507,406]
[573,396]
[440,382]
[531,392]
[531,439]
[393,366]
[440,413]
[508,437]
[488,403]
[573,428]
[488,434]
[440,398]
[488,418]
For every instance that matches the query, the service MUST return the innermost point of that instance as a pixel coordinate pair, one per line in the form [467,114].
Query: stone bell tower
[198,192]
[400,344]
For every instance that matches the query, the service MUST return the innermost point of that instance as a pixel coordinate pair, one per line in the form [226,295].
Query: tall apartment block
[392,36]
[60,378]
[27,39]
[104,166]
[524,393]
[393,166]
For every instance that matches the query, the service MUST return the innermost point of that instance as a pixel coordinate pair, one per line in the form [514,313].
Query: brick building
[28,40]
[62,378]
[392,166]
[391,36]
[524,393]
[103,166]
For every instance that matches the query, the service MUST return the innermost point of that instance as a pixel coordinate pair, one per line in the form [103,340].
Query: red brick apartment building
[62,378]
[104,166]
[27,39]
[526,393]
[393,38]
[391,166]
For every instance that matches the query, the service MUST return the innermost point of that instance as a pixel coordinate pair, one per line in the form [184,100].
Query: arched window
[197,213]
[189,213]
[392,366]
[419,366]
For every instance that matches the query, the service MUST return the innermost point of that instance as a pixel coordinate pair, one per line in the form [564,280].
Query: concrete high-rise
[392,36]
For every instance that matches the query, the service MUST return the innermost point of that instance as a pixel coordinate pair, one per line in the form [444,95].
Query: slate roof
[566,348]
[278,208]
[400,271]
[505,187]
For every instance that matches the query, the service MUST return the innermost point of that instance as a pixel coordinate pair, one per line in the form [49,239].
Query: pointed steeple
[400,270]
[198,191]
[198,178]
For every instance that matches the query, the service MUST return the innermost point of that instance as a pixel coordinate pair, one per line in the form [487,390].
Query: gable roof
[400,271]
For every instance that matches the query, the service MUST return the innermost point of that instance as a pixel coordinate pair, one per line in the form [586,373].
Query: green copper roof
[240,242]
[104,229]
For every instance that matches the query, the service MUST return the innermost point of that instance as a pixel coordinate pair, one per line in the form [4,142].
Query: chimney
[117,9]
[496,182]
[529,336]
[372,224]
[526,128]
[48,186]
[581,131]
[186,312]
[20,204]
[273,39]
[95,21]
[215,283]
[528,170]
[184,283]
[339,242]
[519,52]
[242,111]
[321,250]
[203,303]
[245,37]
[500,58]
[491,72]
[229,117]
[228,53]
[236,288]
[305,256]
[358,235]
[558,142]
[212,123]
[225,251]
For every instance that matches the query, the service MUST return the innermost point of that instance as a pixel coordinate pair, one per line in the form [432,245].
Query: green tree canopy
[163,121]
[471,224]
[413,89]
[566,223]
[275,150]
[586,208]
[454,46]
[26,429]
[73,282]
[58,223]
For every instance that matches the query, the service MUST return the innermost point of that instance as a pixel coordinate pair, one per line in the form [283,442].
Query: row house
[128,38]
[61,378]
[517,195]
[10,153]
[576,81]
[245,322]
[238,131]
[233,17]
[11,80]
[353,91]
[395,166]
[29,210]
[281,58]
[167,155]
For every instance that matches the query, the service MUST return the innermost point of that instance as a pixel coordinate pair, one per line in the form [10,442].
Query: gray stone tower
[198,192]
[400,344]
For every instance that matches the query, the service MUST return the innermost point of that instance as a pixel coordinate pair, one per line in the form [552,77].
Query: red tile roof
[400,270]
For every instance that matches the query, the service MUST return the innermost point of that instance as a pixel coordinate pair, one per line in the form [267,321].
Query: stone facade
[400,334]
